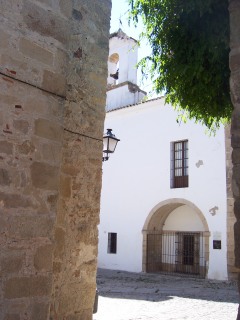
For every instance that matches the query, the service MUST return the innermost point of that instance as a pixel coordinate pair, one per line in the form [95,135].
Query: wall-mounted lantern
[109,144]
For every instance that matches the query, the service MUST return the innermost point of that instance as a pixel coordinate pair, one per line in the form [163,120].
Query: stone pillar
[231,218]
[234,61]
[53,71]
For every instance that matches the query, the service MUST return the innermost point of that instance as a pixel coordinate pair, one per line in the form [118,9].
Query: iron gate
[176,252]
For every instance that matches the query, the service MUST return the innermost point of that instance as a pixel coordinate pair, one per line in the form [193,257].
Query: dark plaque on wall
[217,244]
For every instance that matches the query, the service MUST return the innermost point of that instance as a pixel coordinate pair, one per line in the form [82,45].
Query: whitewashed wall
[121,96]
[183,218]
[137,178]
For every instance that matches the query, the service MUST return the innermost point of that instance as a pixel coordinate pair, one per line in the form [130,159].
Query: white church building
[164,205]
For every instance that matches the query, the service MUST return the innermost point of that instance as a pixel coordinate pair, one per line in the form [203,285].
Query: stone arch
[157,217]
[165,208]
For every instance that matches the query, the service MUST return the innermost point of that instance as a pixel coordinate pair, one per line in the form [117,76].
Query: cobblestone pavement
[140,296]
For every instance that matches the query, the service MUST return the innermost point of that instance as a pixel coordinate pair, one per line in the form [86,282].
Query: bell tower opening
[113,69]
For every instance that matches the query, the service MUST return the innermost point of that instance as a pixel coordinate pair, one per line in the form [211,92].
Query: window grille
[112,242]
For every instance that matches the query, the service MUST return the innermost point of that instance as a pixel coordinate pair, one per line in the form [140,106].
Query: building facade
[164,205]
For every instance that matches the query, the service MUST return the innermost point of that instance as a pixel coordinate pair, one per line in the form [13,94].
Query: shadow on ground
[160,287]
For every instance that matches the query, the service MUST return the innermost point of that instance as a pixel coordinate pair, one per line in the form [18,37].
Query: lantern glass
[109,142]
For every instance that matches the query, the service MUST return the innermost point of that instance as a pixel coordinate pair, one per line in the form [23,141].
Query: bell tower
[122,88]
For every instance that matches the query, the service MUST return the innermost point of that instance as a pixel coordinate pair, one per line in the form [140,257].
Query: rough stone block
[1,117]
[4,38]
[27,226]
[234,83]
[237,209]
[14,64]
[3,224]
[66,8]
[27,147]
[234,9]
[83,303]
[41,104]
[70,169]
[62,212]
[54,82]
[10,9]
[6,147]
[52,201]
[23,179]
[237,243]
[11,263]
[5,179]
[12,316]
[84,315]
[234,61]
[16,306]
[45,22]
[65,186]
[61,60]
[35,51]
[6,98]
[60,242]
[57,266]
[40,311]
[21,125]
[51,152]
[15,200]
[44,176]
[236,156]
[43,258]
[47,2]
[20,287]
[48,129]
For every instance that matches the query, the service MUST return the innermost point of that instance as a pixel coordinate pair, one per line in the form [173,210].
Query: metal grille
[176,252]
[112,242]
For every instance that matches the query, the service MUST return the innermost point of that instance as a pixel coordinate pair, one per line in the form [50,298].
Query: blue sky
[119,12]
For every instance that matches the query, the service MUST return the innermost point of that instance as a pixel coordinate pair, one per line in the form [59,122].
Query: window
[179,164]
[112,242]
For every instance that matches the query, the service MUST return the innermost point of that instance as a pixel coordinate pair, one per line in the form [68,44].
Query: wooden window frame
[179,180]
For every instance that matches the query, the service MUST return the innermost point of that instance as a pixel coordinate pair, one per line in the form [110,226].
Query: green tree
[195,51]
[190,54]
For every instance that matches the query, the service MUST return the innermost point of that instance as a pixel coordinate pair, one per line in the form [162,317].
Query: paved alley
[140,296]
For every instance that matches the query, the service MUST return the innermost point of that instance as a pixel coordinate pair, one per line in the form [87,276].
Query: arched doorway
[176,239]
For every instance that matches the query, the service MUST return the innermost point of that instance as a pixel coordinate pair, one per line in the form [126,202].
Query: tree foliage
[190,54]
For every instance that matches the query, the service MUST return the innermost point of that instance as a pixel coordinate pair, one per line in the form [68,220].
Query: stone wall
[53,71]
[234,62]
[231,218]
